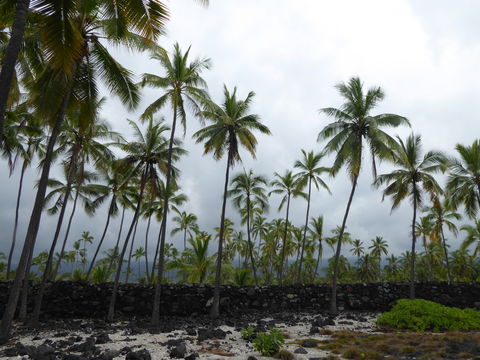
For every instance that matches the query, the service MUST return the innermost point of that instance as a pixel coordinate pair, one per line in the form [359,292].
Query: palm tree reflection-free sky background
[424,55]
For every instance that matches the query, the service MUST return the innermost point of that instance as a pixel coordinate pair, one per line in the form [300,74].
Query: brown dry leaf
[216,351]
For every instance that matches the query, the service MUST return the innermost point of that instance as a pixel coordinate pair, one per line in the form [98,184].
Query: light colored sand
[209,349]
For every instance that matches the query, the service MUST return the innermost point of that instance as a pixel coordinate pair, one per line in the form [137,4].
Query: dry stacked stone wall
[66,299]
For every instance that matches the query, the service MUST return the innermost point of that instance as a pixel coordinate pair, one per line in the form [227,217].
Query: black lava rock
[192,356]
[139,355]
[179,351]
[300,351]
[309,343]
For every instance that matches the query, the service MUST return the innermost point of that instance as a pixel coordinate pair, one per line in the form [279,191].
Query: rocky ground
[179,338]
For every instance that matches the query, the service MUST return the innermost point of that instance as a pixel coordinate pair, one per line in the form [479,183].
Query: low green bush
[269,343]
[248,333]
[424,315]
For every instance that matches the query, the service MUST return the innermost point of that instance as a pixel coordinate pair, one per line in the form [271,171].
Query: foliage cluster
[265,343]
[424,315]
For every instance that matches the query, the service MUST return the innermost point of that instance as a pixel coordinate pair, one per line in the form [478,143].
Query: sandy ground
[233,346]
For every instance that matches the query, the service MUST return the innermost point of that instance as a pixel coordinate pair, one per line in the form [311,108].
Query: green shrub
[248,333]
[269,343]
[423,315]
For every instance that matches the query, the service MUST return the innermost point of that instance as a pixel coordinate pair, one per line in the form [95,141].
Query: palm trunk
[215,310]
[130,253]
[318,259]
[112,260]
[305,229]
[284,242]
[48,268]
[250,245]
[184,239]
[333,299]
[17,207]
[147,271]
[158,286]
[33,225]
[10,58]
[428,255]
[414,240]
[113,298]
[65,239]
[90,268]
[446,256]
[22,316]
[152,275]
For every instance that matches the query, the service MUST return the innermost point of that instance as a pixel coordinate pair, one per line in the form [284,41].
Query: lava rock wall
[67,299]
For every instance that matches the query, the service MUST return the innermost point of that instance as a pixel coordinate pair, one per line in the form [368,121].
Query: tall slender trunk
[158,286]
[65,239]
[446,255]
[250,245]
[10,58]
[147,271]
[33,225]
[315,274]
[130,252]
[414,240]
[333,299]
[184,239]
[215,310]
[427,253]
[47,274]
[101,239]
[157,248]
[112,260]
[113,298]
[17,207]
[284,241]
[305,229]
[22,315]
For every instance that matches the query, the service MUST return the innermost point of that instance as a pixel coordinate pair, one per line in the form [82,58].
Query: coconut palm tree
[137,255]
[182,84]
[413,177]
[187,223]
[316,232]
[289,186]
[232,126]
[472,237]
[379,246]
[441,214]
[248,189]
[310,171]
[198,264]
[463,185]
[355,125]
[147,155]
[424,228]
[259,229]
[357,248]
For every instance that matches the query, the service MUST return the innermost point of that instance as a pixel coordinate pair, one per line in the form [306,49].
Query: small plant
[269,343]
[248,333]
[423,315]
[284,355]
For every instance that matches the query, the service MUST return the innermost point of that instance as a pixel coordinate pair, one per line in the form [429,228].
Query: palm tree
[352,127]
[187,223]
[441,214]
[357,248]
[472,237]
[259,229]
[411,179]
[182,84]
[316,232]
[74,63]
[463,185]
[378,247]
[148,154]
[248,189]
[424,228]
[310,171]
[198,263]
[232,126]
[137,255]
[289,186]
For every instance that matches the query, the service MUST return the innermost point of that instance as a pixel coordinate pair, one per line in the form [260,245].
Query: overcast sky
[424,54]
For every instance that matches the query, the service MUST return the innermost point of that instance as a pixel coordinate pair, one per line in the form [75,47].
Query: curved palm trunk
[130,253]
[250,245]
[11,55]
[65,239]
[33,225]
[47,274]
[17,207]
[315,274]
[446,255]
[22,315]
[215,310]
[299,276]
[147,271]
[414,240]
[157,248]
[284,242]
[158,286]
[333,299]
[113,298]
[112,260]
[90,268]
